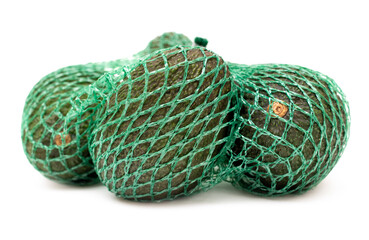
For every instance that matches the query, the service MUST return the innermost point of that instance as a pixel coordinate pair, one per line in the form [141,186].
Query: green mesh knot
[65,157]
[292,127]
[203,42]
[162,126]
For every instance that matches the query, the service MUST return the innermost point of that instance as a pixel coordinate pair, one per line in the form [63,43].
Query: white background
[38,37]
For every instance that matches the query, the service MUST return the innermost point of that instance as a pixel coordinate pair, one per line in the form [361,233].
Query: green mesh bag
[172,122]
[65,157]
[292,125]
[161,125]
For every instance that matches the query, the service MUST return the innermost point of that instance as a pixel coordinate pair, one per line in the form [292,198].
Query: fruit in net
[65,157]
[293,126]
[161,131]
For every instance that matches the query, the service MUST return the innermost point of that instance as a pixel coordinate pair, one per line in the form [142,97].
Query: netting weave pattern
[65,157]
[176,119]
[166,40]
[292,127]
[162,124]
[59,157]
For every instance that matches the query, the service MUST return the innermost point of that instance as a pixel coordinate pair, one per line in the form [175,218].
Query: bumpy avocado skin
[48,105]
[43,117]
[275,155]
[167,125]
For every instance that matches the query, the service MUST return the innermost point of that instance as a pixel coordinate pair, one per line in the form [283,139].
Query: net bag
[65,157]
[292,125]
[174,120]
[161,125]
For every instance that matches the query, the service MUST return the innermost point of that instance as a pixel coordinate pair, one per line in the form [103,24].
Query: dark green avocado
[61,157]
[65,157]
[293,128]
[165,125]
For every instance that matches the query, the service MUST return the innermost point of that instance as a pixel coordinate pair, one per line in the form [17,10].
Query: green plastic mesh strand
[292,125]
[65,157]
[174,120]
[161,125]
[166,40]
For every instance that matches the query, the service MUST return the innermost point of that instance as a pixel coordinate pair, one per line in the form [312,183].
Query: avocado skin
[274,155]
[43,116]
[49,103]
[161,139]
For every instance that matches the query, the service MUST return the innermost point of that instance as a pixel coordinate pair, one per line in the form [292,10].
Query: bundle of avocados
[176,119]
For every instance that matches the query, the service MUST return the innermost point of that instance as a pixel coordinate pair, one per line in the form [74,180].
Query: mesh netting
[292,127]
[166,40]
[174,120]
[65,157]
[162,124]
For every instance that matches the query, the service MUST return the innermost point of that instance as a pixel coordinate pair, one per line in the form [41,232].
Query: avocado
[57,156]
[65,157]
[292,127]
[166,40]
[165,125]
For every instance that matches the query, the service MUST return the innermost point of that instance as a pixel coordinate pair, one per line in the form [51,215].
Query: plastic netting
[162,124]
[174,120]
[166,40]
[292,127]
[65,157]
